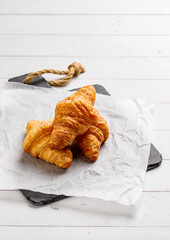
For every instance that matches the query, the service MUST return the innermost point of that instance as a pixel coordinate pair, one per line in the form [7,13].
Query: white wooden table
[125,46]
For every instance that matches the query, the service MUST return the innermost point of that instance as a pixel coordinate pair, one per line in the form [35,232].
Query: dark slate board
[40,199]
[38,81]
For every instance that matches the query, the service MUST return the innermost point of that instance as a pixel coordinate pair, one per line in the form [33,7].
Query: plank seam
[81,226]
[86,14]
[85,34]
[82,56]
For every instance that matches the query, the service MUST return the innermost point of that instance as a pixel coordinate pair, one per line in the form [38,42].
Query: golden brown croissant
[73,116]
[88,93]
[37,140]
[90,141]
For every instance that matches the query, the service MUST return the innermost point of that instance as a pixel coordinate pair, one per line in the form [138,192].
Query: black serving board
[40,199]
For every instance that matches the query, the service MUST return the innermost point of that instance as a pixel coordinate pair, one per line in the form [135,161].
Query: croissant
[88,93]
[73,116]
[90,141]
[36,143]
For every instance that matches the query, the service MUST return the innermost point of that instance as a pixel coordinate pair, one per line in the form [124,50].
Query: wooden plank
[85,46]
[158,179]
[87,7]
[161,140]
[90,233]
[154,211]
[162,117]
[98,68]
[85,25]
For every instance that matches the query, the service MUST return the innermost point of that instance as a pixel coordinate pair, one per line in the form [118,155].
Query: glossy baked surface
[91,140]
[37,140]
[73,116]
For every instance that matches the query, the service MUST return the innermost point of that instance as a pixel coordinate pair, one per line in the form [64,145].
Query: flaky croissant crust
[73,116]
[90,142]
[37,140]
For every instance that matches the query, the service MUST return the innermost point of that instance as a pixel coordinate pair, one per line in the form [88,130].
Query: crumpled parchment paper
[118,174]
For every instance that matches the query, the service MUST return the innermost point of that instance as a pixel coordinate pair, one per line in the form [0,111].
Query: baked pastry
[91,140]
[36,143]
[73,116]
[88,93]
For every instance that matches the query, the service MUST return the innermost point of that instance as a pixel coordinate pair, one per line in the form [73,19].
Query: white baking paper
[117,175]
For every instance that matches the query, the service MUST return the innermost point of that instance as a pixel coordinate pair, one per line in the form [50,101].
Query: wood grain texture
[161,140]
[98,46]
[97,68]
[124,46]
[158,179]
[90,233]
[85,25]
[153,212]
[85,7]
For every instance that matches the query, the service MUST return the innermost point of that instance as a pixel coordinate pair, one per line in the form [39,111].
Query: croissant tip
[94,158]
[65,165]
